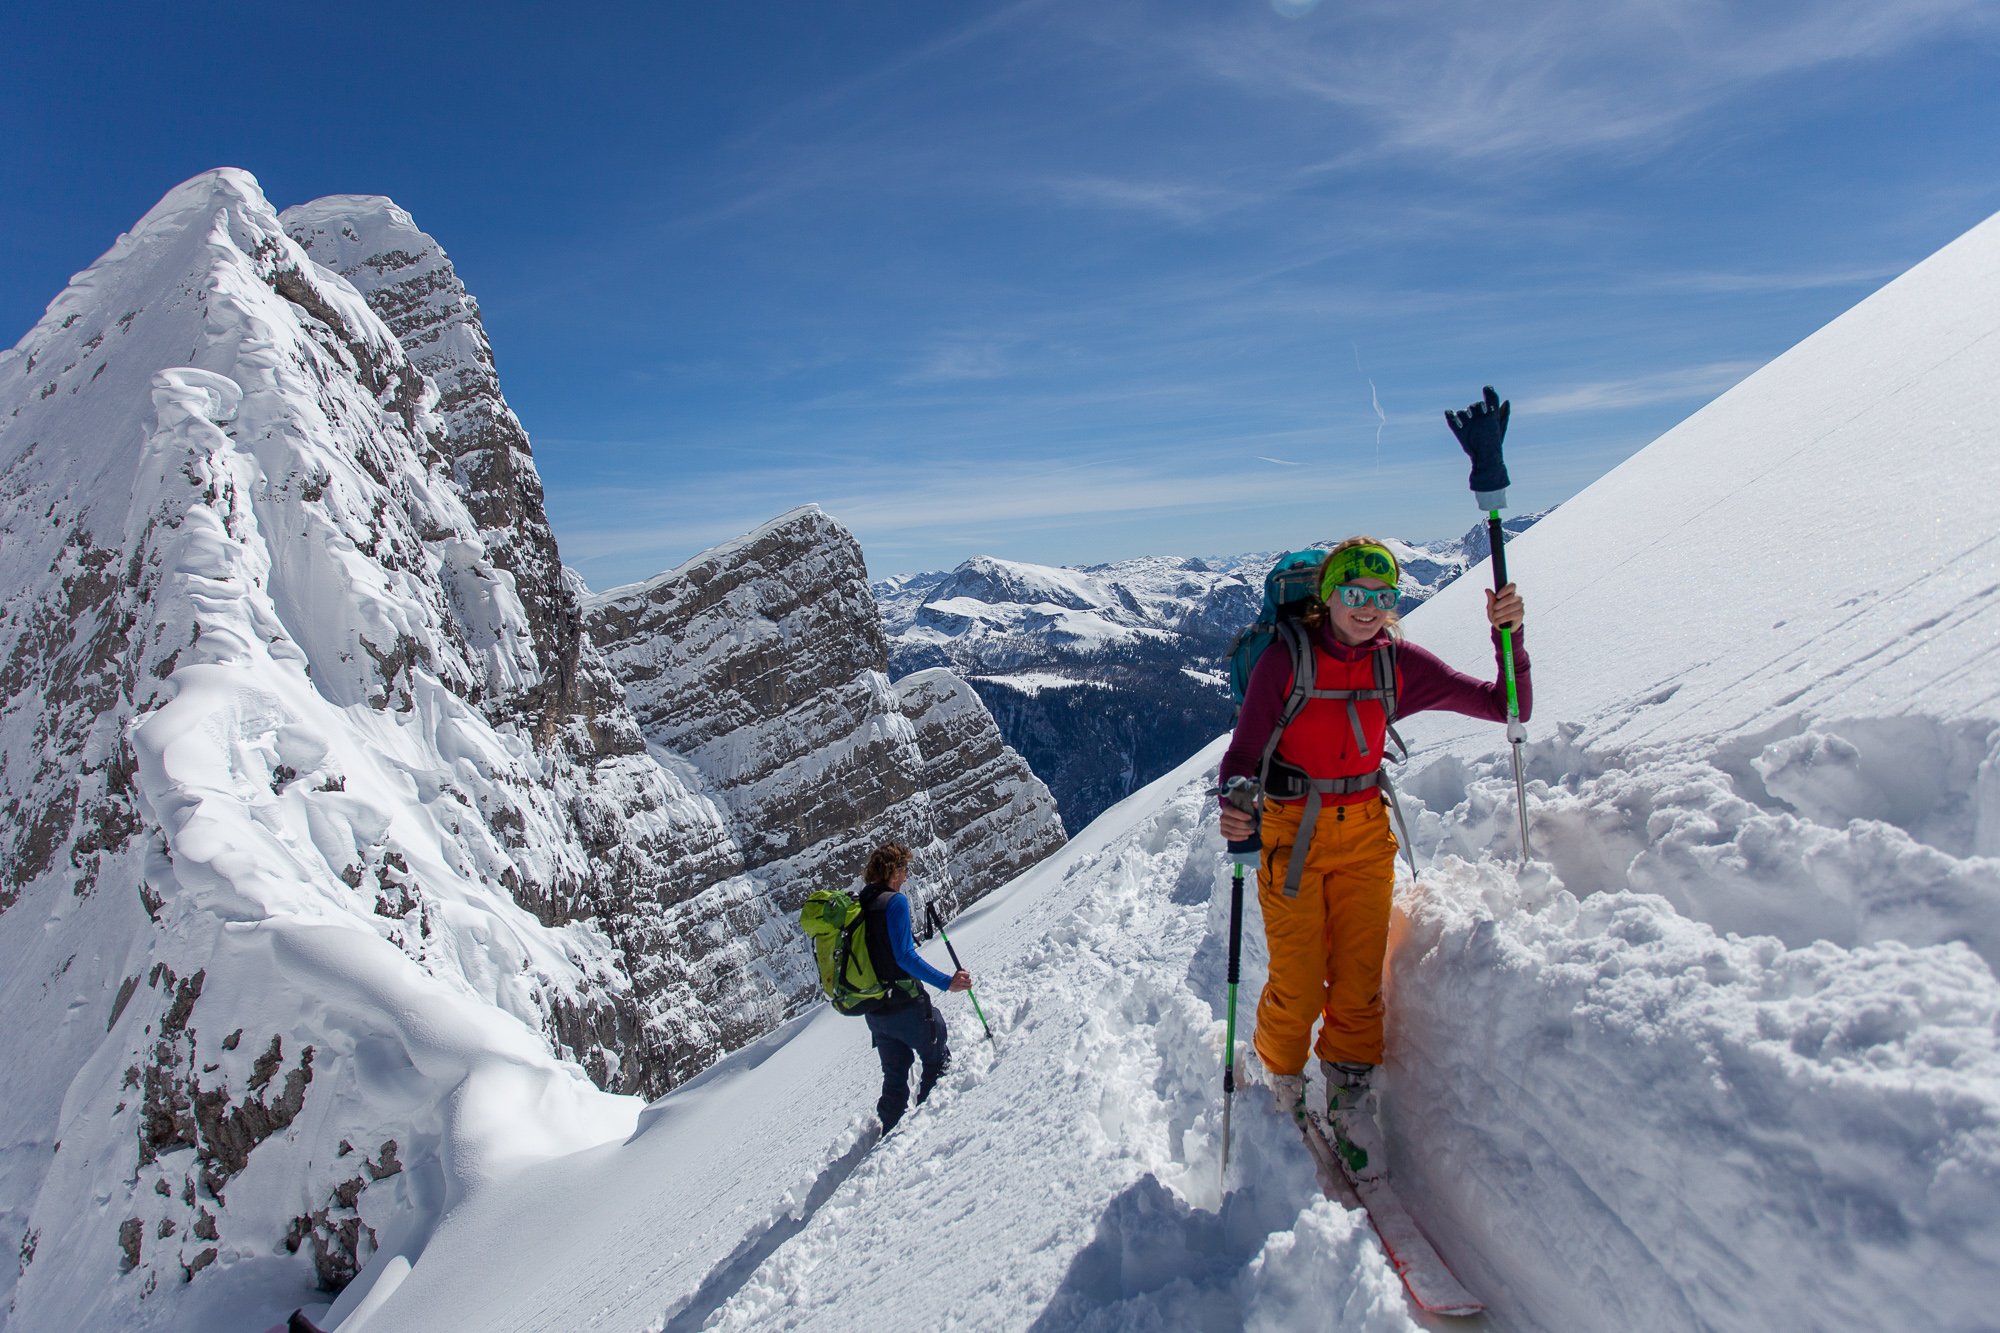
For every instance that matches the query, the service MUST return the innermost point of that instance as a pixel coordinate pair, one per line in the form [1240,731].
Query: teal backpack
[1290,590]
[834,921]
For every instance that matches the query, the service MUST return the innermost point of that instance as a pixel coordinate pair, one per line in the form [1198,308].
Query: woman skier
[1326,908]
[907,1027]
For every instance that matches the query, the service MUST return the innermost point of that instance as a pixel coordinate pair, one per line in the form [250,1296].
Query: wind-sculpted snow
[273,1003]
[1735,1130]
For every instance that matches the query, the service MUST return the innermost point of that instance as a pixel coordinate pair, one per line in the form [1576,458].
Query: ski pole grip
[938,926]
[1496,537]
[1242,793]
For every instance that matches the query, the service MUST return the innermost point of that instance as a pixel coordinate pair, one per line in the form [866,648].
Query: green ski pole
[1241,793]
[1516,733]
[956,966]
[1479,429]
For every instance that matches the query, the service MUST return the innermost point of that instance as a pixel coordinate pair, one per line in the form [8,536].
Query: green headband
[1357,562]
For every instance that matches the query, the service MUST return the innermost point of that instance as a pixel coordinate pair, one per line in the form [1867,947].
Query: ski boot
[1350,1114]
[1288,1095]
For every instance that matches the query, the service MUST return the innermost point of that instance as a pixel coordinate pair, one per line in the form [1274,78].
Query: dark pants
[903,1035]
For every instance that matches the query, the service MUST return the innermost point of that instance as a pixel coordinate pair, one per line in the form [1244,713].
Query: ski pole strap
[938,925]
[1295,869]
[1396,806]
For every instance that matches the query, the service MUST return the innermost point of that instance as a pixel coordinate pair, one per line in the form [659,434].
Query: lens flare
[1295,9]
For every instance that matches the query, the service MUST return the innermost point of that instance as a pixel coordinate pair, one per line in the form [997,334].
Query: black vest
[875,921]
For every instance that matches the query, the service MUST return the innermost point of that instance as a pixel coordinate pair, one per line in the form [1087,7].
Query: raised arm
[1429,683]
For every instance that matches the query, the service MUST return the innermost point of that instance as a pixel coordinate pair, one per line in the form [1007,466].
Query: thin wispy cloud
[1723,282]
[960,360]
[1688,382]
[1187,204]
[1469,79]
[915,504]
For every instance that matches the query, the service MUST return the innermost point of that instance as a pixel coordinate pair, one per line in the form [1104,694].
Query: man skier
[1326,907]
[906,1028]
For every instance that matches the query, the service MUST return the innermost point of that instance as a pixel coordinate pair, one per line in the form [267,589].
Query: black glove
[1479,429]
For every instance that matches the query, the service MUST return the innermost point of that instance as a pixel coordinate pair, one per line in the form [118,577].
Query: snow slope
[1086,1134]
[1611,1103]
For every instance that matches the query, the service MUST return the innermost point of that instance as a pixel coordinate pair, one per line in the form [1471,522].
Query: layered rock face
[410,284]
[761,664]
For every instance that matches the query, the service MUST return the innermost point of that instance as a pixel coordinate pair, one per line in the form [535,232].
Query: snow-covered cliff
[273,997]
[639,840]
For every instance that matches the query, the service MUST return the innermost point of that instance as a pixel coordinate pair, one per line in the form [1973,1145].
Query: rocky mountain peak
[763,664]
[337,874]
[553,680]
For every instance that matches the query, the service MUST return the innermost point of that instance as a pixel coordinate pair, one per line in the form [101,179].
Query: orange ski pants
[1328,943]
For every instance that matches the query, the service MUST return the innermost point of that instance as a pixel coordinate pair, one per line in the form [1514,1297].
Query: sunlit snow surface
[1725,1057]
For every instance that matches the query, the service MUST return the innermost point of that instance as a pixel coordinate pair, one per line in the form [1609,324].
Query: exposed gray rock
[761,665]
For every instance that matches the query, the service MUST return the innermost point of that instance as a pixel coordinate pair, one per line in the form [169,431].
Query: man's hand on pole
[960,980]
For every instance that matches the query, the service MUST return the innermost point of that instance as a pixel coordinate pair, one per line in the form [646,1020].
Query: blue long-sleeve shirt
[903,944]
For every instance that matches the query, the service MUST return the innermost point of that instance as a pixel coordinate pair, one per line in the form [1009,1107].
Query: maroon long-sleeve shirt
[1427,683]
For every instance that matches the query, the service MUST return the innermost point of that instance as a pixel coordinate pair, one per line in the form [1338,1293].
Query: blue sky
[1059,281]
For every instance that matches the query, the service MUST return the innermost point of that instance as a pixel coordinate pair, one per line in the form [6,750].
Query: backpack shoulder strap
[1305,671]
[1385,681]
[1304,676]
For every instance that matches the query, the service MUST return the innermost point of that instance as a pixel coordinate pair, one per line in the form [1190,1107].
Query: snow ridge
[276,1007]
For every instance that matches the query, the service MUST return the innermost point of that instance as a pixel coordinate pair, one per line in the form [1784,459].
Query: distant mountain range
[1104,677]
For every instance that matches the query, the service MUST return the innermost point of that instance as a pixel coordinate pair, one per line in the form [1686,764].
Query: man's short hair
[886,861]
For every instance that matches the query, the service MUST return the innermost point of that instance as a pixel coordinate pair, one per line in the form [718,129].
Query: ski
[1425,1276]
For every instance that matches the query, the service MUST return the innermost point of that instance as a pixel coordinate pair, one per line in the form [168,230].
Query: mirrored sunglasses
[1355,595]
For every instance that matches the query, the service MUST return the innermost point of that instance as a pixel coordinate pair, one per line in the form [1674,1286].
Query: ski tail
[1430,1282]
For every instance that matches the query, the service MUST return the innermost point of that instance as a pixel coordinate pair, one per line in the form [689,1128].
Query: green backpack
[840,947]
